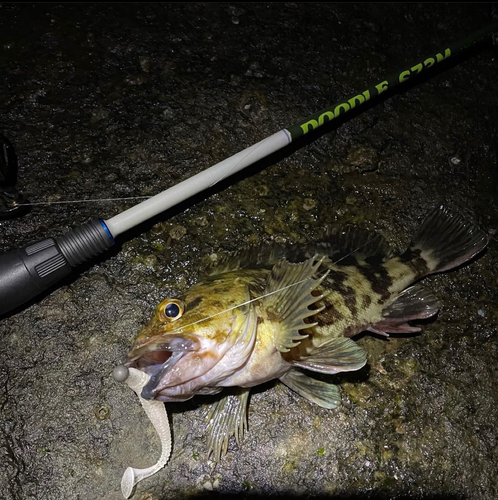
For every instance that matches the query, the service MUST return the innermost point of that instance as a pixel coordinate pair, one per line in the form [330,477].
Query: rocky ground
[125,100]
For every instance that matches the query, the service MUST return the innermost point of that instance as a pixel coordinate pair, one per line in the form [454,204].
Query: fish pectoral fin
[226,418]
[337,355]
[317,391]
[416,302]
[288,296]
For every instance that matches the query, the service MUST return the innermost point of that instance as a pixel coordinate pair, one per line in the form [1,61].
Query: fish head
[194,340]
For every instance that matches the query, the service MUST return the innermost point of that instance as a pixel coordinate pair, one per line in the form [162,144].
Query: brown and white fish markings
[284,312]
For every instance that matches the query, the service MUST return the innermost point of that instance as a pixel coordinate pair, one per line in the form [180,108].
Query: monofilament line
[90,200]
[272,292]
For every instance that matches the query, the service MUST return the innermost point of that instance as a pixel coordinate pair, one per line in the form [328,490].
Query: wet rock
[123,100]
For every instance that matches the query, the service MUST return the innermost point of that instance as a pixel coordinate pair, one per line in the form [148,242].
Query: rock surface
[125,100]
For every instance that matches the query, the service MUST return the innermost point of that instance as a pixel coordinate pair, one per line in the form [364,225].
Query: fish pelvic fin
[317,391]
[226,418]
[445,240]
[288,297]
[335,356]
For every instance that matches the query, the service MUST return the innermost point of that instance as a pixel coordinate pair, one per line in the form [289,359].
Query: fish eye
[170,309]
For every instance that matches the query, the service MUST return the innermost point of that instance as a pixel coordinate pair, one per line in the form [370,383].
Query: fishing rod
[28,271]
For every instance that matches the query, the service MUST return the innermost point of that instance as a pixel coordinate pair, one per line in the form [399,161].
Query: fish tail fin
[445,240]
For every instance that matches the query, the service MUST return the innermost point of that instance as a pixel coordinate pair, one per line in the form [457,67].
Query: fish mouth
[158,359]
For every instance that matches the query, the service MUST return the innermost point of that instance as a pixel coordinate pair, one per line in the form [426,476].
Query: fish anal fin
[416,302]
[377,329]
[322,393]
[337,355]
[382,327]
[288,297]
[226,418]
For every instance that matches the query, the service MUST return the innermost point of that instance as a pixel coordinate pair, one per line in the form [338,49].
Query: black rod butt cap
[26,272]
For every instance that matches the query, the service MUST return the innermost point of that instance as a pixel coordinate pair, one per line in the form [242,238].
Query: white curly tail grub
[156,412]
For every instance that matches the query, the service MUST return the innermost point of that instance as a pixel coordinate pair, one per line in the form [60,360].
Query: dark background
[125,100]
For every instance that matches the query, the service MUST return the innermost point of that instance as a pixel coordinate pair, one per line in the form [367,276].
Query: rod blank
[197,183]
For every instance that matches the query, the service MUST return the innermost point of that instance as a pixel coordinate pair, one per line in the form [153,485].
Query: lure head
[193,342]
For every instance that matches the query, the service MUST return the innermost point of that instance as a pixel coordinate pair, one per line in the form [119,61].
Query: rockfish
[285,312]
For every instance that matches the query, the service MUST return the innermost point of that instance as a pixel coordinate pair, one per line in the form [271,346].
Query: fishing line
[82,201]
[26,272]
[129,198]
[180,330]
[232,170]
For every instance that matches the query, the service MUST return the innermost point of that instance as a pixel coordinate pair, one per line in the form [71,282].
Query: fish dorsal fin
[317,391]
[287,298]
[336,355]
[337,243]
[340,243]
[249,258]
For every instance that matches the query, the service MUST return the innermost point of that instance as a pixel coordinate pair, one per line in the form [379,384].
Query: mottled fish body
[283,312]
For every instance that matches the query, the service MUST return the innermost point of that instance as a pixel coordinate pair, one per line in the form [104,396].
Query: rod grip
[26,272]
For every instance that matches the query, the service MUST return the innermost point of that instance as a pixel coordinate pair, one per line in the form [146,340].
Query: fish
[291,312]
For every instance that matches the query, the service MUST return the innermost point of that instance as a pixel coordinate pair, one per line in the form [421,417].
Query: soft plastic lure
[156,411]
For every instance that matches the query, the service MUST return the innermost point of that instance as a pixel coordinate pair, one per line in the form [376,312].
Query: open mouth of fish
[157,360]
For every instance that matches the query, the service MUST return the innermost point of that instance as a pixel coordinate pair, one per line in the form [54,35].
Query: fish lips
[157,359]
